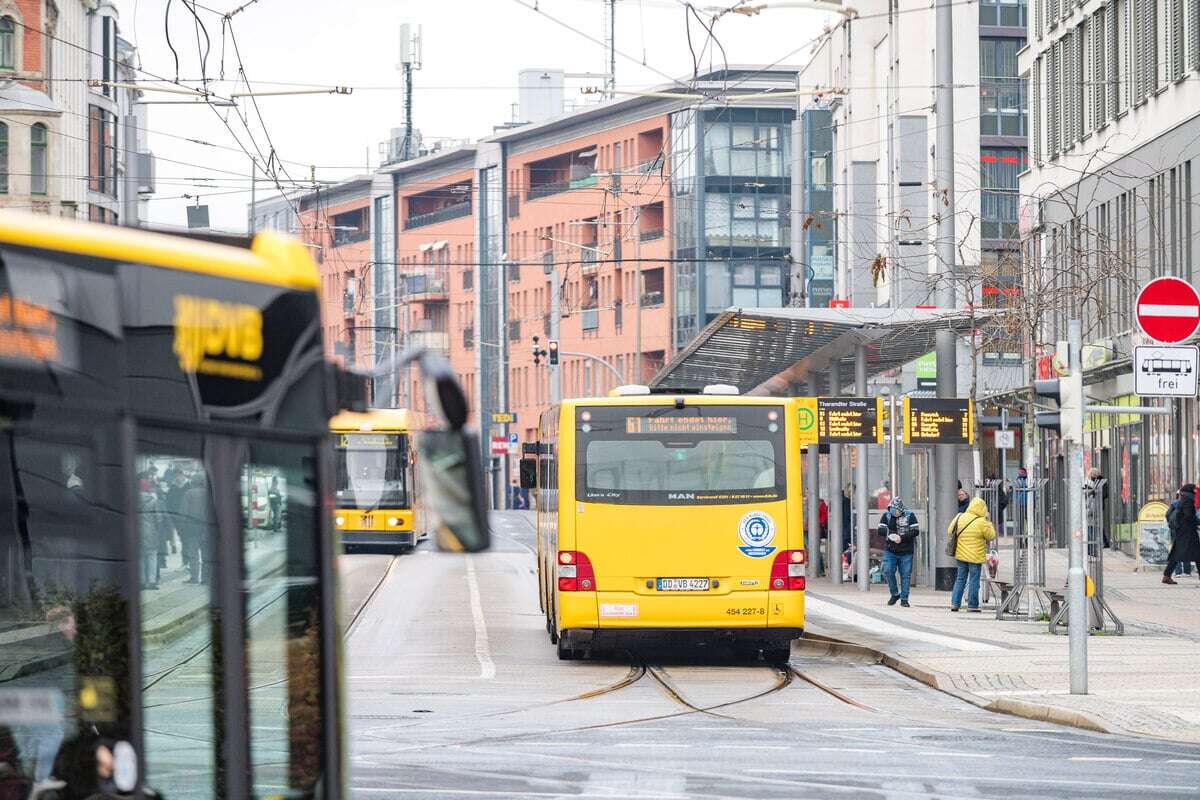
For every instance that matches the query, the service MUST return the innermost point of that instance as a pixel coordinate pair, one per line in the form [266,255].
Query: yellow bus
[153,389]
[377,498]
[669,516]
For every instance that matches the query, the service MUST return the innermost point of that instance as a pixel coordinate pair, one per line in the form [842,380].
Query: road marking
[1104,758]
[1031,730]
[941,754]
[487,668]
[849,750]
[751,747]
[649,744]
[1182,761]
[824,608]
[977,779]
[724,729]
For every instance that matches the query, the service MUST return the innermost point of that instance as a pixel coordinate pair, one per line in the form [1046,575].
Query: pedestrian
[174,506]
[847,527]
[1096,481]
[195,516]
[883,495]
[149,522]
[1185,544]
[971,530]
[964,499]
[274,504]
[899,528]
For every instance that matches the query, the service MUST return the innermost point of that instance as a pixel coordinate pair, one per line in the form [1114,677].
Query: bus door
[234,693]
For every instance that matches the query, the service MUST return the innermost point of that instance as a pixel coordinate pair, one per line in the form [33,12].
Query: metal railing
[1027,507]
[650,299]
[441,215]
[1095,520]
[547,189]
[651,234]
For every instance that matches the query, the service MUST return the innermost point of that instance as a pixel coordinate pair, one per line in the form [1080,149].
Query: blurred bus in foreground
[669,517]
[377,500]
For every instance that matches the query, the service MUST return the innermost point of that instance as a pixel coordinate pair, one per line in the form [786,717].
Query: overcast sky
[473,50]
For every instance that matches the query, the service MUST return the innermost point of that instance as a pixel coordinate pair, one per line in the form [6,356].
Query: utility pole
[610,45]
[862,558]
[410,59]
[1072,435]
[945,455]
[555,319]
[253,196]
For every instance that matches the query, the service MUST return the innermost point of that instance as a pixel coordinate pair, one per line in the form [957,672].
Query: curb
[941,681]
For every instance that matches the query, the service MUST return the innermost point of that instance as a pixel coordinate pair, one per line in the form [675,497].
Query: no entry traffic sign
[1168,310]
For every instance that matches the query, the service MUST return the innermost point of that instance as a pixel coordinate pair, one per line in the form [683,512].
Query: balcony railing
[590,259]
[438,341]
[341,237]
[455,211]
[650,299]
[590,319]
[349,301]
[420,286]
[547,189]
[652,234]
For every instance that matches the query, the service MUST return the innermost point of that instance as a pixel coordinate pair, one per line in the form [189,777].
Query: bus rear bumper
[619,638]
[378,538]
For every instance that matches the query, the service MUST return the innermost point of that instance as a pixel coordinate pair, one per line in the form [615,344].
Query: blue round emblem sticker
[757,531]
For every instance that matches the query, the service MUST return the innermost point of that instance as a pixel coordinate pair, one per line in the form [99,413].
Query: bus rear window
[654,455]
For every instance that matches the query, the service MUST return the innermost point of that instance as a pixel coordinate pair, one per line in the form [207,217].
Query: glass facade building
[730,188]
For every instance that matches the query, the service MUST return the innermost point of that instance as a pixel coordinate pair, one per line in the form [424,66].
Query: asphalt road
[455,691]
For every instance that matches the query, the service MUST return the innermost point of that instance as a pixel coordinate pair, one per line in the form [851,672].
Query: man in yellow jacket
[974,531]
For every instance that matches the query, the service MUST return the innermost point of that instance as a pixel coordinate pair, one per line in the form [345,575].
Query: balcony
[589,259]
[437,341]
[651,234]
[547,189]
[425,287]
[349,301]
[651,299]
[589,319]
[455,211]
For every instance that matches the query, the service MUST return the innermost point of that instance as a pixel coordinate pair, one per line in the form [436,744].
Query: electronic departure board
[850,420]
[929,420]
[368,441]
[671,424]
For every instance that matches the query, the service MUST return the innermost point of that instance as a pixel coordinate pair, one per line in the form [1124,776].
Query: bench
[995,586]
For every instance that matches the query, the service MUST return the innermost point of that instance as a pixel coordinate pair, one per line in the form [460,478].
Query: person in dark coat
[1185,544]
[899,528]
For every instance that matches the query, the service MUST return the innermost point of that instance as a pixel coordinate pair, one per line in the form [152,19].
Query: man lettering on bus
[899,528]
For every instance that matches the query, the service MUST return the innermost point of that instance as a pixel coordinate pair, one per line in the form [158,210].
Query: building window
[8,43]
[3,158]
[1001,91]
[37,159]
[998,171]
[102,151]
[1009,13]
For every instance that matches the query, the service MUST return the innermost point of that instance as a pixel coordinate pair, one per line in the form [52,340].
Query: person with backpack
[899,528]
[969,533]
[1185,539]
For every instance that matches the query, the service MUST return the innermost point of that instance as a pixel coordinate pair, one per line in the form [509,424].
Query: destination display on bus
[849,420]
[368,441]
[660,425]
[932,420]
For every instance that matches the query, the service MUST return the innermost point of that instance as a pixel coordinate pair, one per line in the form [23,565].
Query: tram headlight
[340,521]
[393,521]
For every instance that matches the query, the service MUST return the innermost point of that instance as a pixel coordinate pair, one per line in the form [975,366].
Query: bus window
[64,709]
[283,624]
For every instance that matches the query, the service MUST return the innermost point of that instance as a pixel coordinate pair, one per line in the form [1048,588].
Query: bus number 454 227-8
[745,611]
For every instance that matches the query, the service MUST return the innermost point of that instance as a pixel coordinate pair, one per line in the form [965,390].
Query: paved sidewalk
[1142,683]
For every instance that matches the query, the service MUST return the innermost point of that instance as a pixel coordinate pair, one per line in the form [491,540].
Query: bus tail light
[575,572]
[787,570]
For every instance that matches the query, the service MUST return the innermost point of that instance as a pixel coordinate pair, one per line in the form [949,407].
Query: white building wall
[69,61]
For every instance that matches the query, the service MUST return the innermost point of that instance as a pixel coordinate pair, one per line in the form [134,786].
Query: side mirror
[529,473]
[447,395]
[452,475]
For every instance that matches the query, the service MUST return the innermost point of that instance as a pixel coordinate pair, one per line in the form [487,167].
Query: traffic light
[1067,393]
[537,352]
[1050,420]
[552,346]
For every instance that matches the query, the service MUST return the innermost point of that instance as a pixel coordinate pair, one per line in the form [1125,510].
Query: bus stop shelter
[828,352]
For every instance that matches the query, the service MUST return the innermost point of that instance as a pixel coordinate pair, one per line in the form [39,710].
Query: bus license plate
[683,584]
